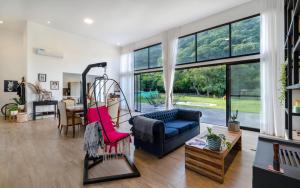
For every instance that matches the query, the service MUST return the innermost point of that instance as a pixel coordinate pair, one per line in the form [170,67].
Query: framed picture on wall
[54,85]
[42,77]
[10,85]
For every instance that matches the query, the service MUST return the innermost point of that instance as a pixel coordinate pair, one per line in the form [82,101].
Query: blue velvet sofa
[171,130]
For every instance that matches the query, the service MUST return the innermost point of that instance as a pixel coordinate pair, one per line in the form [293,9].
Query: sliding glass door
[245,93]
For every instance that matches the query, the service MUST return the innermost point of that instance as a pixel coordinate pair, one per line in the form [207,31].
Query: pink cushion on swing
[106,123]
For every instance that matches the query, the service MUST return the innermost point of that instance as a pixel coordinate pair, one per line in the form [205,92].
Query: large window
[229,40]
[149,57]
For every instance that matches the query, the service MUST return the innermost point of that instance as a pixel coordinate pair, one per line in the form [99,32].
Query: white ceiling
[116,21]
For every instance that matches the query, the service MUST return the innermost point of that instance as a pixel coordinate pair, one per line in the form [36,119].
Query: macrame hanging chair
[112,143]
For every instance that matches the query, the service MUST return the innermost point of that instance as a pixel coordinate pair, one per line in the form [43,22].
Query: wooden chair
[66,120]
[69,102]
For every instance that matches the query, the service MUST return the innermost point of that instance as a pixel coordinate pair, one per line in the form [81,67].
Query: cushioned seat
[170,132]
[181,125]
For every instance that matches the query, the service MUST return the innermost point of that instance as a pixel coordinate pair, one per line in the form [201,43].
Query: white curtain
[272,55]
[127,79]
[169,48]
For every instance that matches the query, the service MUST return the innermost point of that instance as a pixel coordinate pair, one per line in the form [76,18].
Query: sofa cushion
[170,132]
[181,125]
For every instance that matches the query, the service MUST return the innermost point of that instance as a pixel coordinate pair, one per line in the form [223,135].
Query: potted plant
[214,141]
[20,104]
[233,124]
[13,110]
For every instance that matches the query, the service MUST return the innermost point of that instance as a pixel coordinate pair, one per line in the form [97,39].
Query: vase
[234,126]
[21,107]
[214,144]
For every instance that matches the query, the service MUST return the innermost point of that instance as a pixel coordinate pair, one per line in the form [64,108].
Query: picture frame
[42,77]
[10,85]
[54,85]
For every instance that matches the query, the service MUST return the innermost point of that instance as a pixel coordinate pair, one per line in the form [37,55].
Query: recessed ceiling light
[88,21]
[1,22]
[118,44]
[48,22]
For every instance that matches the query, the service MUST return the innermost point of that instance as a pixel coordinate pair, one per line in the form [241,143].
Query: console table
[43,103]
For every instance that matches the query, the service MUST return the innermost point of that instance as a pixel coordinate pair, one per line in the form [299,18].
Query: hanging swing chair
[110,143]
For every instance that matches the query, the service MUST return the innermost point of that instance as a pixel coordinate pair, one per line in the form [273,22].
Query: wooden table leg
[73,123]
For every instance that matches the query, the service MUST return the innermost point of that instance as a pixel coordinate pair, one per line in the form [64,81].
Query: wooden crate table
[212,164]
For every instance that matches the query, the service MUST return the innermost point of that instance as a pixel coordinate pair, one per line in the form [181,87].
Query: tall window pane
[213,44]
[186,50]
[155,56]
[141,59]
[245,93]
[245,36]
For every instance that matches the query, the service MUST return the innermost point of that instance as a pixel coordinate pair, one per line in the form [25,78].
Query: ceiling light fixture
[88,21]
[118,44]
[1,22]
[48,22]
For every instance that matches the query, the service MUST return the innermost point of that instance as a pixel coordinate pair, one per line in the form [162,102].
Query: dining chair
[70,102]
[67,120]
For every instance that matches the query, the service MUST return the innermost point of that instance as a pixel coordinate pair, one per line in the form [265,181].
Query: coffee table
[213,164]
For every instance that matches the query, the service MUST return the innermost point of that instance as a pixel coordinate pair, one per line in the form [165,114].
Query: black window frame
[148,60]
[230,41]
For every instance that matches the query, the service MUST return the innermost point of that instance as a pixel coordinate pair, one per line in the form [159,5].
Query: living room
[149,93]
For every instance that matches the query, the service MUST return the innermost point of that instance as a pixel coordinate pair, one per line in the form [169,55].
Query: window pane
[155,56]
[150,94]
[245,79]
[202,89]
[141,59]
[186,50]
[245,36]
[245,93]
[213,44]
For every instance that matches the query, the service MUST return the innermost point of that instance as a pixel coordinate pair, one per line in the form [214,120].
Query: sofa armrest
[192,115]
[158,129]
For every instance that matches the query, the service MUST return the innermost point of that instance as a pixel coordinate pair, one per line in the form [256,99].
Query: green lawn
[243,105]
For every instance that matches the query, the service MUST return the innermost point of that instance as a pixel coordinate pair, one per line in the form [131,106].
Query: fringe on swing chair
[95,146]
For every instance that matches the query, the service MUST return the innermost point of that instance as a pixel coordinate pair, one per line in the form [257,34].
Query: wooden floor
[35,155]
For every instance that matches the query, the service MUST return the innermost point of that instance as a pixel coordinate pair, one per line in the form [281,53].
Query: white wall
[12,60]
[78,52]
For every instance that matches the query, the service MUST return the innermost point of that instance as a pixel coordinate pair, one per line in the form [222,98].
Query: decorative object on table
[22,117]
[283,83]
[47,96]
[214,141]
[54,85]
[38,90]
[233,124]
[296,108]
[10,86]
[42,77]
[197,142]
